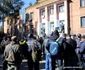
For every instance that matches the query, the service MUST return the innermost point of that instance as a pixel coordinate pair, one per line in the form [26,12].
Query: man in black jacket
[62,47]
[70,55]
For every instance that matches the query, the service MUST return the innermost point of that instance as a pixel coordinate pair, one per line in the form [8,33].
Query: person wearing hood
[51,61]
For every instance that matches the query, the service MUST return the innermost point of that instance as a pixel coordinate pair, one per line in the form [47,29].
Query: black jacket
[71,46]
[24,48]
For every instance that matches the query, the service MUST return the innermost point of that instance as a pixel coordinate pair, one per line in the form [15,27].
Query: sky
[22,11]
[0,23]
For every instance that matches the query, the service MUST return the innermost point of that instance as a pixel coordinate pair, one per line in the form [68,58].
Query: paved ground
[42,65]
[25,67]
[24,64]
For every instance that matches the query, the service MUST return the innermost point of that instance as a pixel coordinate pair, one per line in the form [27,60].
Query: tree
[30,4]
[36,1]
[10,6]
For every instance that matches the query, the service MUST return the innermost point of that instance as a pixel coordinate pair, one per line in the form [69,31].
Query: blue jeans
[48,65]
[51,62]
[59,64]
[83,62]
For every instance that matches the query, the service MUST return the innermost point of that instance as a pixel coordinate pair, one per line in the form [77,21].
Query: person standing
[33,48]
[71,57]
[51,60]
[62,46]
[4,44]
[13,55]
[82,50]
[79,41]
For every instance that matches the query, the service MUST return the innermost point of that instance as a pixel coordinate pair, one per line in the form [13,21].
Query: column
[66,18]
[38,26]
[55,16]
[46,21]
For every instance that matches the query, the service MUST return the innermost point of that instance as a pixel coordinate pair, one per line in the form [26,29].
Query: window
[43,12]
[61,8]
[31,15]
[51,10]
[61,21]
[51,26]
[61,25]
[82,3]
[43,27]
[83,21]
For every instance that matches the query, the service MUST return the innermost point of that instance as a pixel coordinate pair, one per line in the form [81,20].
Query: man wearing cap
[82,50]
[12,54]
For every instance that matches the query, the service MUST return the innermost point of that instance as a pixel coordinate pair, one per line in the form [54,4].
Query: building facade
[52,15]
[12,24]
[33,14]
[49,14]
[77,16]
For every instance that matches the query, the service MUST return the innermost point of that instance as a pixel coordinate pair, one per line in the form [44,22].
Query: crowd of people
[70,53]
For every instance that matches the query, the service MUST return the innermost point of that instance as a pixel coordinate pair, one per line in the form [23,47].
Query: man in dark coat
[70,55]
[62,47]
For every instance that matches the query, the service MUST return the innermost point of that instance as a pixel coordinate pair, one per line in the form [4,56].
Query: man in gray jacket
[31,43]
[12,55]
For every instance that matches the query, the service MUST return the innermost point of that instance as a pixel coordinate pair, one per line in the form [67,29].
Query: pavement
[41,65]
[24,64]
[25,67]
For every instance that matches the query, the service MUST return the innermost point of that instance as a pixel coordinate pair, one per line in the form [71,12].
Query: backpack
[54,48]
[34,51]
[10,57]
[14,54]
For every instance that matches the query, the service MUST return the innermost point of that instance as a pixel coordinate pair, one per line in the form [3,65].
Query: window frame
[51,10]
[31,15]
[81,21]
[51,26]
[42,12]
[61,6]
[81,3]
